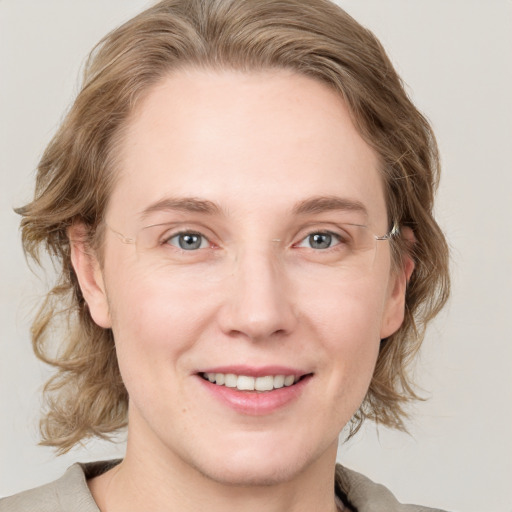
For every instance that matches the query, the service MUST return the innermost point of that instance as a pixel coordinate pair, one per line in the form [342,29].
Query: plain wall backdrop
[456,58]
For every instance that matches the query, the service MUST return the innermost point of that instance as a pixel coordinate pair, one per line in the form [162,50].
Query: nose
[259,304]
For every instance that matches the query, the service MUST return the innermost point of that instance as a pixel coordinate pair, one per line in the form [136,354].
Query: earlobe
[90,278]
[395,307]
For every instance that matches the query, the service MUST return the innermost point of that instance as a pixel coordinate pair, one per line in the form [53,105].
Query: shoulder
[367,496]
[69,493]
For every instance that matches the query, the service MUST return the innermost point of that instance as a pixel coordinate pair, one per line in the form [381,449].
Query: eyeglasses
[350,249]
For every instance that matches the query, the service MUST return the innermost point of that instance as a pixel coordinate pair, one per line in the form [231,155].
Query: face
[229,258]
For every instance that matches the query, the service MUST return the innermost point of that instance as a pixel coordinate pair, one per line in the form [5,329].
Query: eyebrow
[183,204]
[321,204]
[312,205]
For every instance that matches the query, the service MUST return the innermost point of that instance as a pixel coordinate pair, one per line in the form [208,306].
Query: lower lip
[254,403]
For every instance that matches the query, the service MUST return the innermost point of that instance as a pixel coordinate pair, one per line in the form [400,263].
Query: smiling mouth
[248,383]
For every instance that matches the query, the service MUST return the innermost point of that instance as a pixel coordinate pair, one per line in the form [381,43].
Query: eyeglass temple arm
[395,231]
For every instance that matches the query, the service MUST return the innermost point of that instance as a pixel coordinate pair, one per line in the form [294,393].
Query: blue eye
[188,241]
[321,240]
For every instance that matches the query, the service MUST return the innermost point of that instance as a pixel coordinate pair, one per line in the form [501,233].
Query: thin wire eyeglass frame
[395,231]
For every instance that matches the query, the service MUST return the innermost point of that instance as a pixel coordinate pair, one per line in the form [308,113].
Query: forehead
[241,140]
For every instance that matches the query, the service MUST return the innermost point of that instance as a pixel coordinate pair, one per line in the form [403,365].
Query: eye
[320,240]
[188,241]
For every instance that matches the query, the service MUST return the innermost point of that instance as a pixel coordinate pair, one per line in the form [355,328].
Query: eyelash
[339,239]
[166,240]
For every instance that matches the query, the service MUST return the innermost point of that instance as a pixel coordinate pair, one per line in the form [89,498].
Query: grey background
[455,56]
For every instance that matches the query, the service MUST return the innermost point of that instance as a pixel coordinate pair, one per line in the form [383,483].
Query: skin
[256,145]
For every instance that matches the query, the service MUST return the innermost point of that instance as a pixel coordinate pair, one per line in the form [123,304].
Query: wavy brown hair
[86,396]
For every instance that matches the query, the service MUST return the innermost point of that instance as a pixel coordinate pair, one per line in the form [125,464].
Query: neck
[148,480]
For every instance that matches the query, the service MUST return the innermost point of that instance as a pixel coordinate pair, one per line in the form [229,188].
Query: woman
[241,202]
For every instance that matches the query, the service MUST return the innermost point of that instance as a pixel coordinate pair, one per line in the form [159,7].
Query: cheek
[348,320]
[348,313]
[154,322]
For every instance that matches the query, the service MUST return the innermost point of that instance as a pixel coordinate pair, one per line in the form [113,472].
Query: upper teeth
[247,383]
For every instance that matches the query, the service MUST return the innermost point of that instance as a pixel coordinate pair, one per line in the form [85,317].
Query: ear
[90,277]
[395,304]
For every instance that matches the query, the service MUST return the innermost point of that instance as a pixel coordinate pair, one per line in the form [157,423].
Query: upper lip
[252,371]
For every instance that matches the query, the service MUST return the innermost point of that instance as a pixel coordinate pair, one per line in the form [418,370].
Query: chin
[257,466]
[250,474]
